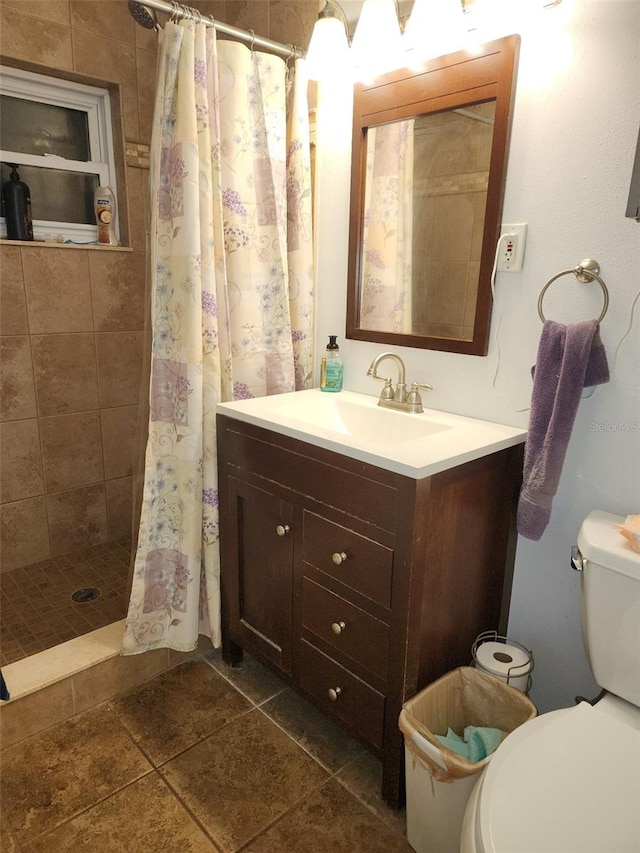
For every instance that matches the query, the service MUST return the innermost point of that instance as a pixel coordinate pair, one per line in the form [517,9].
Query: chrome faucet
[398,399]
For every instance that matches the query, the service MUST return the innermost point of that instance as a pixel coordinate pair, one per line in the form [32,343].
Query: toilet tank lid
[601,542]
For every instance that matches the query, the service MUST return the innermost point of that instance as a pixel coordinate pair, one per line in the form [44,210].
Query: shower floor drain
[87,593]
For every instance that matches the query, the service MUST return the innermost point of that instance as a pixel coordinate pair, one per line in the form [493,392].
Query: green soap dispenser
[331,368]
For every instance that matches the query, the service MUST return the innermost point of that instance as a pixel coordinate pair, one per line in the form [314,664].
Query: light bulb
[328,54]
[377,43]
[436,27]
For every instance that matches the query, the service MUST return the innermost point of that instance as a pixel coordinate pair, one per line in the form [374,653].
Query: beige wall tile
[20,461]
[292,21]
[473,273]
[117,287]
[65,373]
[77,518]
[148,39]
[115,676]
[453,214]
[477,234]
[35,712]
[71,450]
[51,10]
[119,507]
[146,71]
[219,9]
[119,363]
[18,400]
[118,435]
[114,61]
[58,290]
[54,297]
[25,536]
[239,12]
[34,39]
[138,195]
[447,287]
[13,307]
[108,18]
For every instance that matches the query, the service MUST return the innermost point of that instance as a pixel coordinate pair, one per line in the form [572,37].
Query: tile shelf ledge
[47,245]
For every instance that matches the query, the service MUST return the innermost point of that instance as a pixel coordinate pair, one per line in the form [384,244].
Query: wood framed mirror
[429,160]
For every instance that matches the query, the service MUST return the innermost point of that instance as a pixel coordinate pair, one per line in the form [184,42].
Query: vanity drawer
[346,627]
[355,702]
[354,560]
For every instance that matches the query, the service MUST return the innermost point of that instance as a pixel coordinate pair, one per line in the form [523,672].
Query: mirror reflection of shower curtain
[387,244]
[231,303]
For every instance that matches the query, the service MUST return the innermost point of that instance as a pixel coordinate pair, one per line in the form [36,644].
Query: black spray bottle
[17,207]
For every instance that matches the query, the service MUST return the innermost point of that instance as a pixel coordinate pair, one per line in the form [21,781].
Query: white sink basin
[417,445]
[355,419]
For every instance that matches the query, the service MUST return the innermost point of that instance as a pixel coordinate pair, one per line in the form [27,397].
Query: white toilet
[569,780]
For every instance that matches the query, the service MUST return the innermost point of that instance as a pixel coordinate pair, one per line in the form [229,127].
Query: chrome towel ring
[586,270]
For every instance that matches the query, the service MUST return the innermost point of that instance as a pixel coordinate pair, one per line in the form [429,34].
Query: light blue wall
[574,134]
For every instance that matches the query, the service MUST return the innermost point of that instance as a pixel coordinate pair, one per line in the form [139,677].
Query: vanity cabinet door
[261,599]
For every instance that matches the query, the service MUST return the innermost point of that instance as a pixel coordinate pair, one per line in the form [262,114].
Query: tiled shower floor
[36,609]
[202,758]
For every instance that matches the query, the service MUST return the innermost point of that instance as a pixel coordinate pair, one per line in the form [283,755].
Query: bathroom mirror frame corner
[459,81]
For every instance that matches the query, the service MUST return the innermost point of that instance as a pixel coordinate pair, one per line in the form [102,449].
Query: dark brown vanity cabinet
[358,585]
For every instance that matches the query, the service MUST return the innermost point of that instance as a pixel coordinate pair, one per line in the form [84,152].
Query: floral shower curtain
[231,303]
[388,229]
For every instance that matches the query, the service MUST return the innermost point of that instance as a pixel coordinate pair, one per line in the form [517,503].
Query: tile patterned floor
[201,758]
[36,610]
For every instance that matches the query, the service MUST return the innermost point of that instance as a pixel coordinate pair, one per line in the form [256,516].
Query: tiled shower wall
[71,354]
[71,318]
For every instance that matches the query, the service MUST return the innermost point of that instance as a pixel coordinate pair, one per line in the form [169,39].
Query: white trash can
[439,781]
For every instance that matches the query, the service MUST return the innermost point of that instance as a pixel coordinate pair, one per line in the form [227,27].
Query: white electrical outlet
[512,247]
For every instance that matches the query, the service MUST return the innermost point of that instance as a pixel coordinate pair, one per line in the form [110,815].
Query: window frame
[68,94]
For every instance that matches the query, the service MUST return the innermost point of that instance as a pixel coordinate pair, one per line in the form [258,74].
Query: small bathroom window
[58,133]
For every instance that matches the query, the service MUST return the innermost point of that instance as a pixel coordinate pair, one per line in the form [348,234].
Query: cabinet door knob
[338,627]
[339,557]
[282,529]
[334,693]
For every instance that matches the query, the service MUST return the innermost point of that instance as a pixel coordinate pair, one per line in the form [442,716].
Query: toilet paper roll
[510,663]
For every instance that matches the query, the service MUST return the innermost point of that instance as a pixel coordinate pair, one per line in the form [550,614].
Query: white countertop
[416,445]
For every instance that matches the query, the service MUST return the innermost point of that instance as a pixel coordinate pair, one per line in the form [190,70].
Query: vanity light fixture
[328,55]
[377,42]
[435,27]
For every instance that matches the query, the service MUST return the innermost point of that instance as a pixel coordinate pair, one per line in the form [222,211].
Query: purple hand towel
[569,358]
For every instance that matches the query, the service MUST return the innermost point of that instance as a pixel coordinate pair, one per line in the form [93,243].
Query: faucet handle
[414,400]
[387,391]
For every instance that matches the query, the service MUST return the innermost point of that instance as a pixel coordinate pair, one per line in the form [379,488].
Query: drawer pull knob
[338,627]
[334,693]
[282,529]
[339,557]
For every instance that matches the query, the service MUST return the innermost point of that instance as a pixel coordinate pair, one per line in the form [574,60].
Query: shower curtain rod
[181,11]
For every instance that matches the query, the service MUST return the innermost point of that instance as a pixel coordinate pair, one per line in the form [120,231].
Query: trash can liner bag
[463,697]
